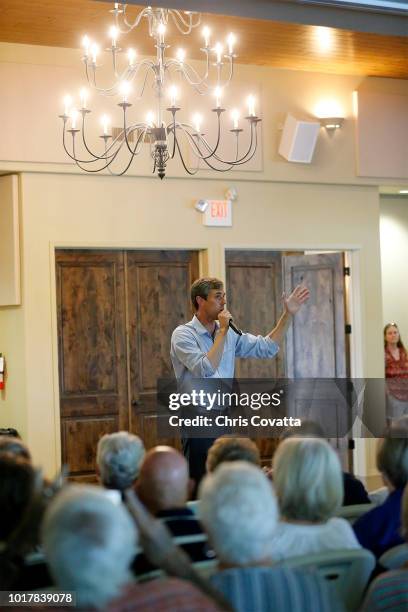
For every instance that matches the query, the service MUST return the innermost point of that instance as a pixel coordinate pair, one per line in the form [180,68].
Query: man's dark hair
[202,287]
[17,480]
[15,446]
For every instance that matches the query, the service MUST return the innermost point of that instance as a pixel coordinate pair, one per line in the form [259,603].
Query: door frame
[212,262]
[353,304]
[203,263]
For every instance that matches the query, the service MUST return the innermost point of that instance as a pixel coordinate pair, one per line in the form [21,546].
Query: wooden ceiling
[266,43]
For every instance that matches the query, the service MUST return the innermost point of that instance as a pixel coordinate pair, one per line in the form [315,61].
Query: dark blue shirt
[379,529]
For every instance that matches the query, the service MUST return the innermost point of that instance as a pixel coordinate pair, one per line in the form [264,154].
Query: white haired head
[89,542]
[308,479]
[119,456]
[239,511]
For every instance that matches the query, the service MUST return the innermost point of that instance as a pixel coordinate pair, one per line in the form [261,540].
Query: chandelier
[164,132]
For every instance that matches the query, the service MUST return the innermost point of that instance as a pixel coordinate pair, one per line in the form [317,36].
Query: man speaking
[207,346]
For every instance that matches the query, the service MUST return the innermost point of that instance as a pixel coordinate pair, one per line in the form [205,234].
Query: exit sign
[218,213]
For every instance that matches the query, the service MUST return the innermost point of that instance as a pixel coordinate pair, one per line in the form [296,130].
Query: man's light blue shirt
[191,342]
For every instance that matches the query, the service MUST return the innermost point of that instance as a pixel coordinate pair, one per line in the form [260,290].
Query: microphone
[234,327]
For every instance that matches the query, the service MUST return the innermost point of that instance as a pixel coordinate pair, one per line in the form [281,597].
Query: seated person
[228,448]
[90,541]
[309,486]
[118,459]
[22,506]
[239,511]
[379,529]
[164,487]
[354,490]
[15,446]
[390,590]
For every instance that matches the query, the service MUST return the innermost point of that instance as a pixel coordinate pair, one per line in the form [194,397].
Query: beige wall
[394,258]
[38,78]
[317,206]
[60,210]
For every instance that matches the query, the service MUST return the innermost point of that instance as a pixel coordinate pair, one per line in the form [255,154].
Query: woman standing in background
[396,372]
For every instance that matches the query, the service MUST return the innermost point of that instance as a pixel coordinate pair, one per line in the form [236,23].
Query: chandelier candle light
[162,130]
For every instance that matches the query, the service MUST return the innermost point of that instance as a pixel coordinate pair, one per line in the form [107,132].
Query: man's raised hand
[296,299]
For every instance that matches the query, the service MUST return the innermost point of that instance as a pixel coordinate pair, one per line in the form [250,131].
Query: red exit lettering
[219,209]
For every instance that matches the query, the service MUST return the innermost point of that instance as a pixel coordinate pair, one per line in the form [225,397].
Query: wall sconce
[331,123]
[201,206]
[231,194]
[330,114]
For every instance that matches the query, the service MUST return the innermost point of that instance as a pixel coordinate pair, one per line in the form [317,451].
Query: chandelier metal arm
[231,163]
[129,74]
[135,152]
[127,131]
[193,78]
[73,156]
[199,137]
[200,156]
[79,162]
[190,172]
[130,26]
[249,153]
[107,149]
[153,14]
[182,69]
[188,25]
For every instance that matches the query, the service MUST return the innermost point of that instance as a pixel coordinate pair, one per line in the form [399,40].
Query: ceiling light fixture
[166,135]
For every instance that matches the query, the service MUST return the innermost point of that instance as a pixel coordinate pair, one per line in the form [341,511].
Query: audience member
[379,529]
[309,487]
[90,541]
[22,506]
[396,372]
[390,590]
[228,448]
[354,490]
[118,459]
[164,487]
[15,446]
[239,511]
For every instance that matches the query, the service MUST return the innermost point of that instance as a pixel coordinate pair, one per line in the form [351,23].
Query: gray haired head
[118,457]
[89,542]
[239,511]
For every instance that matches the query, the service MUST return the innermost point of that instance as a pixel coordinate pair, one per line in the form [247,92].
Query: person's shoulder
[183,329]
[338,522]
[168,594]
[341,527]
[371,519]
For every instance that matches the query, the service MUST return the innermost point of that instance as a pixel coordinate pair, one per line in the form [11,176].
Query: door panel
[92,352]
[315,343]
[158,301]
[254,289]
[116,313]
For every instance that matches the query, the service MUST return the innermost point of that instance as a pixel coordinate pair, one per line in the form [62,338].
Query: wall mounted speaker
[298,139]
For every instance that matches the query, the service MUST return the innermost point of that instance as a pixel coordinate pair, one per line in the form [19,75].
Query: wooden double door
[315,346]
[116,313]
